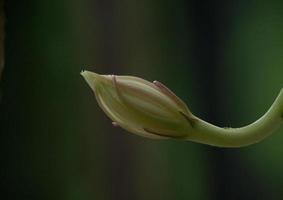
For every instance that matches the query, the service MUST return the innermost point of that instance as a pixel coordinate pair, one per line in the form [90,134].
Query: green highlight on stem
[154,111]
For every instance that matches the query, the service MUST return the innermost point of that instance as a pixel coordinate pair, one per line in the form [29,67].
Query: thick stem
[237,137]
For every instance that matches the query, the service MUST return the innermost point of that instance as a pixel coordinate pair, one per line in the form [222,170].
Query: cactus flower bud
[141,107]
[152,110]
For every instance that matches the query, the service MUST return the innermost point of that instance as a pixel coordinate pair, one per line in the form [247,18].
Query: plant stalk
[237,137]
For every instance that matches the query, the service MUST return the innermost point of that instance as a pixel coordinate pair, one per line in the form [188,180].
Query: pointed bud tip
[90,77]
[88,74]
[83,72]
[93,79]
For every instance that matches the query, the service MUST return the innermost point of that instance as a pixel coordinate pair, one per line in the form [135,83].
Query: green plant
[152,110]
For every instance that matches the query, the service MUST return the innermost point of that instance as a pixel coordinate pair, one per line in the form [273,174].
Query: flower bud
[141,107]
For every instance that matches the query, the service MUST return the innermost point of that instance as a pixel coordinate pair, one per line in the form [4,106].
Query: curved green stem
[237,137]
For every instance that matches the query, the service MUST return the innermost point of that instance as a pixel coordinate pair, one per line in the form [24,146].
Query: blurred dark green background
[223,58]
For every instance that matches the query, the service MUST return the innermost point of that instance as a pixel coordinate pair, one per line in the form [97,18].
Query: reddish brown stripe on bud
[166,91]
[160,134]
[153,132]
[190,119]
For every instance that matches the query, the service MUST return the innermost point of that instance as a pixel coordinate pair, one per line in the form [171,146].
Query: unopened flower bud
[141,107]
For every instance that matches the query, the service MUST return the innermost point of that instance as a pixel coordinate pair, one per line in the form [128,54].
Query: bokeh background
[223,58]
